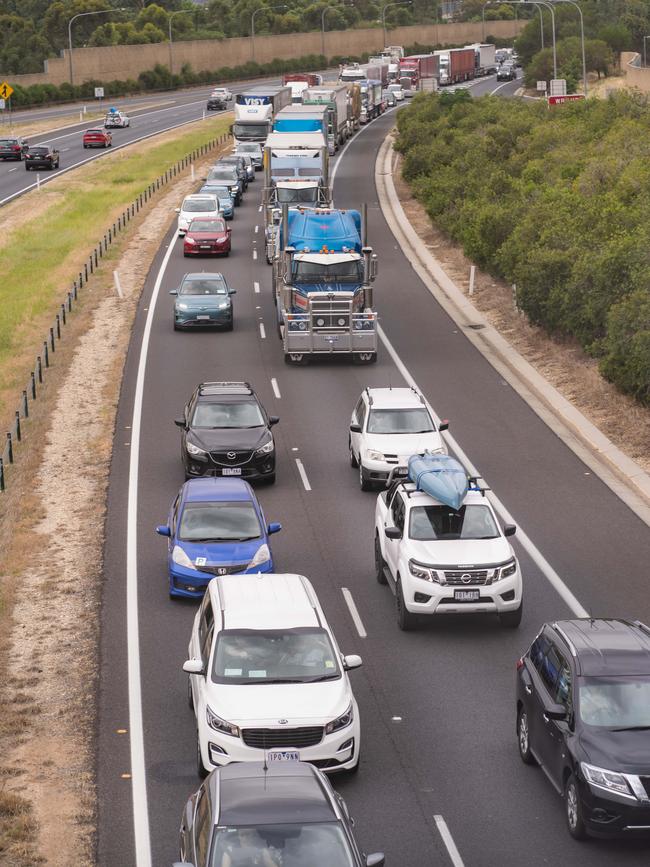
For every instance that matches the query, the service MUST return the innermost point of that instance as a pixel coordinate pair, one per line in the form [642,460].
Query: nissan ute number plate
[283,756]
[467,595]
[232,471]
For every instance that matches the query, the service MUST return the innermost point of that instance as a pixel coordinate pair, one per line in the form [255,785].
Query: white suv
[387,427]
[267,677]
[441,561]
[197,206]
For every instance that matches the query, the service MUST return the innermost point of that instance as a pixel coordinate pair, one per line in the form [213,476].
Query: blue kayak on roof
[440,476]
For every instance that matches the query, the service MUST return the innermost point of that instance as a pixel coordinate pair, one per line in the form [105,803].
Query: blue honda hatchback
[215,527]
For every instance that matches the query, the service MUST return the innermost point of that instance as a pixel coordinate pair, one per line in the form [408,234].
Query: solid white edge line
[347,145]
[276,388]
[531,549]
[448,840]
[256,287]
[262,331]
[141,832]
[303,475]
[354,612]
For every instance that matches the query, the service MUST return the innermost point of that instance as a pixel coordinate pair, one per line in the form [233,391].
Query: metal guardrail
[56,332]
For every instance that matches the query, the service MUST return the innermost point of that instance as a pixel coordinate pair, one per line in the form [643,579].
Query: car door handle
[528,688]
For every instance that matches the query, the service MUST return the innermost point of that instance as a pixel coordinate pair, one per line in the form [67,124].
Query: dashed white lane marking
[262,330]
[15,169]
[303,475]
[448,840]
[260,209]
[257,228]
[254,254]
[275,387]
[354,612]
[256,287]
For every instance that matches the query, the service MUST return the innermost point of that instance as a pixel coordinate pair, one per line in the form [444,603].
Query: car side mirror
[352,661]
[173,291]
[444,424]
[355,428]
[274,419]
[179,422]
[177,210]
[232,292]
[376,860]
[393,533]
[273,527]
[193,666]
[229,231]
[163,530]
[509,530]
[555,711]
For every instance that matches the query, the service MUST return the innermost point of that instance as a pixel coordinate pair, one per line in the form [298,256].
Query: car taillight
[520,663]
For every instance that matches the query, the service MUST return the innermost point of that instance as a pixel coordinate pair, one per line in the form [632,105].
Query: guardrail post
[33,384]
[46,354]
[58,327]
[18,433]
[63,313]
[25,404]
[2,475]
[70,299]
[10,447]
[52,346]
[86,272]
[39,369]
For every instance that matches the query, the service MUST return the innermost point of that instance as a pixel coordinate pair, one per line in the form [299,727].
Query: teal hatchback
[203,300]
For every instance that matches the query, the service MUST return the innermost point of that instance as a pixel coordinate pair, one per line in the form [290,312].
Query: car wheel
[575,822]
[523,738]
[27,167]
[354,463]
[512,619]
[200,767]
[186,255]
[380,563]
[405,620]
[364,483]
[270,480]
[190,697]
[231,325]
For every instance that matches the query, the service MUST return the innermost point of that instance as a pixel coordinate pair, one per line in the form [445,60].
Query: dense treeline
[554,200]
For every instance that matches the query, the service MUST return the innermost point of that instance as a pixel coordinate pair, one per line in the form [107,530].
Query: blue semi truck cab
[323,276]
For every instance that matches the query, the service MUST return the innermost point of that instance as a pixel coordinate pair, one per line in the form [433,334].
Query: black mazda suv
[225,431]
[583,715]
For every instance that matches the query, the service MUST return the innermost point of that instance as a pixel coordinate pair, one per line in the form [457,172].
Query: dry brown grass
[562,362]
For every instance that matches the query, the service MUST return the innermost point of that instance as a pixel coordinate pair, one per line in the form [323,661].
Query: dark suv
[583,715]
[42,157]
[286,813]
[13,148]
[239,163]
[225,431]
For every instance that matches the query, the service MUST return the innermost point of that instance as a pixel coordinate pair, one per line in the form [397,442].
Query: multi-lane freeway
[437,705]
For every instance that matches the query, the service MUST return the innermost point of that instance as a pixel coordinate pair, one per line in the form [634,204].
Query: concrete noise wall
[128,61]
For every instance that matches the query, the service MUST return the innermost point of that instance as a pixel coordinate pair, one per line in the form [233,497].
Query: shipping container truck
[358,72]
[418,72]
[335,97]
[484,58]
[354,106]
[297,118]
[322,277]
[455,65]
[255,109]
[300,81]
[371,100]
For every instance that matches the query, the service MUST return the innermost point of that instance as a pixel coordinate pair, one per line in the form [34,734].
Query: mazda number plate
[282,756]
[232,471]
[203,316]
[467,595]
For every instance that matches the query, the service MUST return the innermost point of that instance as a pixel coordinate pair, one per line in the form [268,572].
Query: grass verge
[40,257]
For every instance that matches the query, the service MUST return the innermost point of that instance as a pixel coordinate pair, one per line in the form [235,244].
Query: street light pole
[261,9]
[171,53]
[538,3]
[388,6]
[582,38]
[644,53]
[74,18]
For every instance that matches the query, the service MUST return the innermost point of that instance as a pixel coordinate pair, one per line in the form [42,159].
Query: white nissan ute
[439,560]
[387,427]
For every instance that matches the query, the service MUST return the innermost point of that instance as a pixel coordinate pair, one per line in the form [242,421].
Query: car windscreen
[249,149]
[250,130]
[220,192]
[292,845]
[427,523]
[350,270]
[207,226]
[615,702]
[299,655]
[287,195]
[227,174]
[219,522]
[400,421]
[235,414]
[199,206]
[203,285]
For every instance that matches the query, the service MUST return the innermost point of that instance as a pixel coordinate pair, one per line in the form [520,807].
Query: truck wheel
[379,562]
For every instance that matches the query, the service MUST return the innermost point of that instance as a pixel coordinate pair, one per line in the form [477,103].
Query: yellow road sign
[5,90]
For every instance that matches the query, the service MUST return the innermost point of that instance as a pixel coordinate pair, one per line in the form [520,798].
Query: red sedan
[97,138]
[207,237]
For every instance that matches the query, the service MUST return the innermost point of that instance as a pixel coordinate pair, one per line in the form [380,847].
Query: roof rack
[475,485]
[215,387]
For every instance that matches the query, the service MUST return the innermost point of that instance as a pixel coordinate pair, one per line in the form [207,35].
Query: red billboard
[569,97]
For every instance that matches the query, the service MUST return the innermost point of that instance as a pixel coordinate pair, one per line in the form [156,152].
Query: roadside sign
[558,87]
[99,93]
[2,105]
[541,86]
[568,97]
[6,90]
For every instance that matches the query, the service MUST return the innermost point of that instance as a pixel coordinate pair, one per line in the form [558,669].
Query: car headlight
[194,450]
[189,240]
[181,306]
[262,555]
[220,725]
[608,780]
[341,722]
[420,570]
[507,569]
[181,559]
[266,449]
[224,305]
[374,456]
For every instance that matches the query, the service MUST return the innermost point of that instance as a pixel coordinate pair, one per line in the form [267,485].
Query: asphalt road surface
[437,705]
